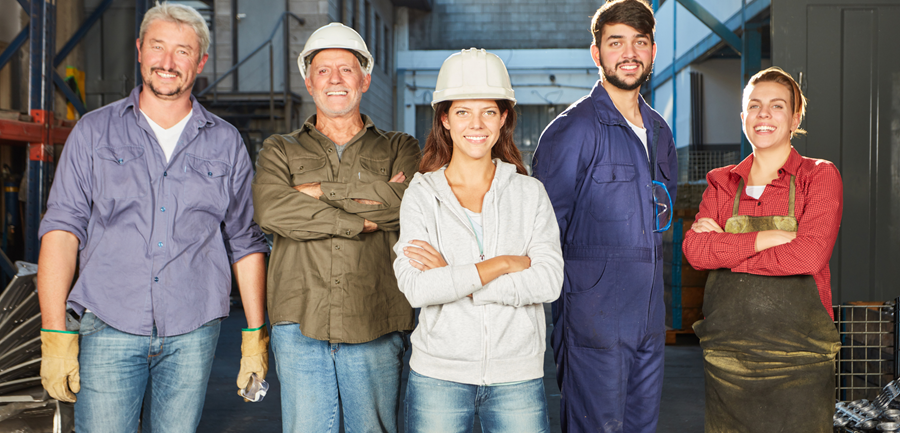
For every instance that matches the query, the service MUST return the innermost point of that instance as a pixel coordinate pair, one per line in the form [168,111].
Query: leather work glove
[254,355]
[59,364]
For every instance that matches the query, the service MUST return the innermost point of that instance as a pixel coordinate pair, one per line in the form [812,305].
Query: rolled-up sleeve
[69,203]
[241,234]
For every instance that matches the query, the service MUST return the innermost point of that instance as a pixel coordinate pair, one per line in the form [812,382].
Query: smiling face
[625,56]
[474,126]
[768,117]
[336,82]
[170,59]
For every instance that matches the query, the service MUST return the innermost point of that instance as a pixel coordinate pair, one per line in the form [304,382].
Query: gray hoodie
[498,335]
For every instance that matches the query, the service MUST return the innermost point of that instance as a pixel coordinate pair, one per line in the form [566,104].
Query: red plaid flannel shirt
[818,205]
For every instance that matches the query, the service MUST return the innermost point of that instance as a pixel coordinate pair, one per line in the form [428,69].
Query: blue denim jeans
[121,372]
[441,406]
[315,374]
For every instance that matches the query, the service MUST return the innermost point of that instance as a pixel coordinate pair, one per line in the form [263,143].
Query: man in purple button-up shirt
[152,193]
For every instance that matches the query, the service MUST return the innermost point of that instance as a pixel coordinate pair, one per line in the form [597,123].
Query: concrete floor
[225,412]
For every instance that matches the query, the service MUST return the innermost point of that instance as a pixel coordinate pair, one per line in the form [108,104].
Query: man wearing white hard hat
[330,193]
[609,165]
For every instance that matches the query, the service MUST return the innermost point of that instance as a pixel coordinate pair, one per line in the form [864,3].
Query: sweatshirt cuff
[465,280]
[334,190]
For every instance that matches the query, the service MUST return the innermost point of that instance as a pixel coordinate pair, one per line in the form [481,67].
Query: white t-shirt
[755,191]
[642,134]
[168,138]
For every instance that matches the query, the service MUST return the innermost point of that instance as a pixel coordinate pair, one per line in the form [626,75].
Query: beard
[610,76]
[173,94]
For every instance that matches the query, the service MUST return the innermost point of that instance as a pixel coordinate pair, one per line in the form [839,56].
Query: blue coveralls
[609,323]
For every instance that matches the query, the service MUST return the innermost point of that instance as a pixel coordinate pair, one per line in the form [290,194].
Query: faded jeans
[121,372]
[315,375]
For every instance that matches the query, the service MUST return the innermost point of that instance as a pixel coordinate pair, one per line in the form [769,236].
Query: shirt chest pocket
[373,170]
[308,170]
[206,184]
[613,192]
[123,172]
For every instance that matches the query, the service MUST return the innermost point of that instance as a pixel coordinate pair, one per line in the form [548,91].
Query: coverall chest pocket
[374,169]
[308,170]
[206,184]
[613,192]
[123,172]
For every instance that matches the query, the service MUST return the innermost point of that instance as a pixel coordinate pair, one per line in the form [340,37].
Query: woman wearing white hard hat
[479,254]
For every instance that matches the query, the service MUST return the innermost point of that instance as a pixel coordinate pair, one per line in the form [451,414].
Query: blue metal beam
[140,8]
[81,32]
[25,4]
[707,45]
[13,47]
[71,96]
[751,63]
[655,5]
[714,24]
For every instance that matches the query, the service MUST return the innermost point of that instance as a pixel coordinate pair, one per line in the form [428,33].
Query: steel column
[140,8]
[751,63]
[42,31]
[70,95]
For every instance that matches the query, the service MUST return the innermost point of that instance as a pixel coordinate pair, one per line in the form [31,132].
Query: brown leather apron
[768,345]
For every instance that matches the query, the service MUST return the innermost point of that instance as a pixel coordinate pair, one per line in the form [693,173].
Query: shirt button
[209,173]
[165,173]
[348,232]
[337,247]
[331,193]
[329,150]
[759,203]
[121,161]
[155,279]
[162,209]
[337,281]
[160,244]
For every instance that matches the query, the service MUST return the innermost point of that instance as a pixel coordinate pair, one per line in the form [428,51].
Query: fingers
[705,225]
[420,258]
[424,245]
[367,202]
[398,178]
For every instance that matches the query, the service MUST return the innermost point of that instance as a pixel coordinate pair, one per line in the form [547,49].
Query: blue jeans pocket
[91,324]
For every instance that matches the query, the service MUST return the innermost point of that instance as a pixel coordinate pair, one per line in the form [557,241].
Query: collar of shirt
[791,166]
[608,113]
[199,118]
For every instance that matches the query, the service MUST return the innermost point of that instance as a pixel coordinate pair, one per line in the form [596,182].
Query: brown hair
[633,13]
[439,146]
[778,75]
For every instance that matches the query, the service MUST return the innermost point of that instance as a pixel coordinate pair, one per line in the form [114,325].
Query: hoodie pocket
[516,332]
[451,331]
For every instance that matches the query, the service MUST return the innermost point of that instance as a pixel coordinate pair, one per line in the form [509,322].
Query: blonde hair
[178,14]
[778,75]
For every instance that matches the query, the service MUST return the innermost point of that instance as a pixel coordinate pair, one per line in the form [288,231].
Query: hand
[369,226]
[398,178]
[705,225]
[254,356]
[313,189]
[425,257]
[59,365]
[772,238]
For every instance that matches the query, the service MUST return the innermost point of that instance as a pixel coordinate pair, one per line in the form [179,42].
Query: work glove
[59,364]
[254,355]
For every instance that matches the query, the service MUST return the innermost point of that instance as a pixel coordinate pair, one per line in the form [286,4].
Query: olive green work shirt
[324,273]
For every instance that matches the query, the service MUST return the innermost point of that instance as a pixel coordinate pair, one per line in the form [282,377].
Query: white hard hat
[335,35]
[473,74]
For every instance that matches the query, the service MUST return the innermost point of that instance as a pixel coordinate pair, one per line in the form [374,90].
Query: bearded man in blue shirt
[152,193]
[609,166]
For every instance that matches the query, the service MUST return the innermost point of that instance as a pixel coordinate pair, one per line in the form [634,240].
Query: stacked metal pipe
[862,415]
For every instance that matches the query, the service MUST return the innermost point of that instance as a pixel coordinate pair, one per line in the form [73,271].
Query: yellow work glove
[59,364]
[254,355]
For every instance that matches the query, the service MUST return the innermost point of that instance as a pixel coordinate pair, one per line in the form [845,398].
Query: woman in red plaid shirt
[766,228]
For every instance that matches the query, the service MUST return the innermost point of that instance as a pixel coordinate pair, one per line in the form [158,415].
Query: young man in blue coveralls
[605,162]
